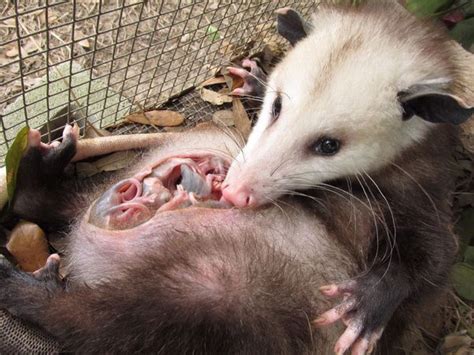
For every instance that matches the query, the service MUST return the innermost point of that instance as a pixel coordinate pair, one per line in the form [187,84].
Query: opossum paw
[54,156]
[364,310]
[254,79]
[21,291]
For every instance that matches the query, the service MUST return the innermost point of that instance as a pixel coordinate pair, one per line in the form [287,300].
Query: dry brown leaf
[12,51]
[11,22]
[4,60]
[174,129]
[162,118]
[84,43]
[52,19]
[224,117]
[233,82]
[31,47]
[111,162]
[242,121]
[215,98]
[454,342]
[213,81]
[29,246]
[226,47]
[93,132]
[467,134]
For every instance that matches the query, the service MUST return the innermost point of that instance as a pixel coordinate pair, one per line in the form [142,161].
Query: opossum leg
[368,304]
[39,193]
[21,292]
[254,80]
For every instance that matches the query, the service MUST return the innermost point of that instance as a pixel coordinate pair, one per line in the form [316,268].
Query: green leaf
[213,33]
[469,255]
[463,32]
[463,279]
[13,158]
[468,9]
[465,225]
[424,8]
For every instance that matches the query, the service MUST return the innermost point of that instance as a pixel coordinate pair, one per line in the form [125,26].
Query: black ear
[291,25]
[434,105]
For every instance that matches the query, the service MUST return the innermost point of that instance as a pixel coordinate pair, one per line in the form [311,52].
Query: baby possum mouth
[172,183]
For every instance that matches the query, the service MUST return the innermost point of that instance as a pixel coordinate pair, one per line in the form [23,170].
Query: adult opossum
[360,113]
[148,274]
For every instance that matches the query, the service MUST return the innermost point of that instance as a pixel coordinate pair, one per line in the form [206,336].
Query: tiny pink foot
[362,311]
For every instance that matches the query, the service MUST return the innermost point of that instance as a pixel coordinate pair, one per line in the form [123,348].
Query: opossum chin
[169,184]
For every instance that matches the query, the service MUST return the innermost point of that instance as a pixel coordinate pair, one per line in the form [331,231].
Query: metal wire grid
[132,55]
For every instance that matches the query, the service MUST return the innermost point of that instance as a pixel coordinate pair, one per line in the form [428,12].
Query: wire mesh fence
[100,60]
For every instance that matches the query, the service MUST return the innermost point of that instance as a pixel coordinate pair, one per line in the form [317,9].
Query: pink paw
[34,138]
[253,77]
[365,309]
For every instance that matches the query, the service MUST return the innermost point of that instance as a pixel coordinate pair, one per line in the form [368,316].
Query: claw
[334,314]
[50,269]
[76,130]
[348,338]
[238,72]
[359,335]
[71,131]
[337,290]
[34,138]
[330,290]
[238,92]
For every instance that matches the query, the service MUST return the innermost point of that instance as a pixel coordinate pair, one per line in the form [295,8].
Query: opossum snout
[239,195]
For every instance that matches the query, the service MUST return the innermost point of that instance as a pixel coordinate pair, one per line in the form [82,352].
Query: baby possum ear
[291,25]
[432,103]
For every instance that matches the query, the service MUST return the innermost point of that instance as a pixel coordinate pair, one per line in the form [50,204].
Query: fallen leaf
[224,117]
[215,98]
[85,43]
[213,33]
[12,52]
[31,47]
[242,121]
[111,162]
[11,22]
[469,255]
[213,81]
[224,91]
[425,8]
[161,118]
[454,342]
[93,132]
[463,32]
[463,280]
[174,129]
[233,82]
[29,246]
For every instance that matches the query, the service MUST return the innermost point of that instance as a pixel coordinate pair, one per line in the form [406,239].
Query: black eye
[326,146]
[276,108]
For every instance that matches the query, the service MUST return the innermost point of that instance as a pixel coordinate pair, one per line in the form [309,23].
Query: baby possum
[358,117]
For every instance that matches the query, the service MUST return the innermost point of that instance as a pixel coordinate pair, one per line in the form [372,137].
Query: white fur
[356,103]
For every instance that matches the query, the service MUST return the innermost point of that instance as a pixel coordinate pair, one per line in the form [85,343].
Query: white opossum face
[332,109]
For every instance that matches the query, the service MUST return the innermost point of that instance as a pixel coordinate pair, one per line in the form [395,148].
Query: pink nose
[240,196]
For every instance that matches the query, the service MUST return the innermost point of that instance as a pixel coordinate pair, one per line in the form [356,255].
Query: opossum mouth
[170,184]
